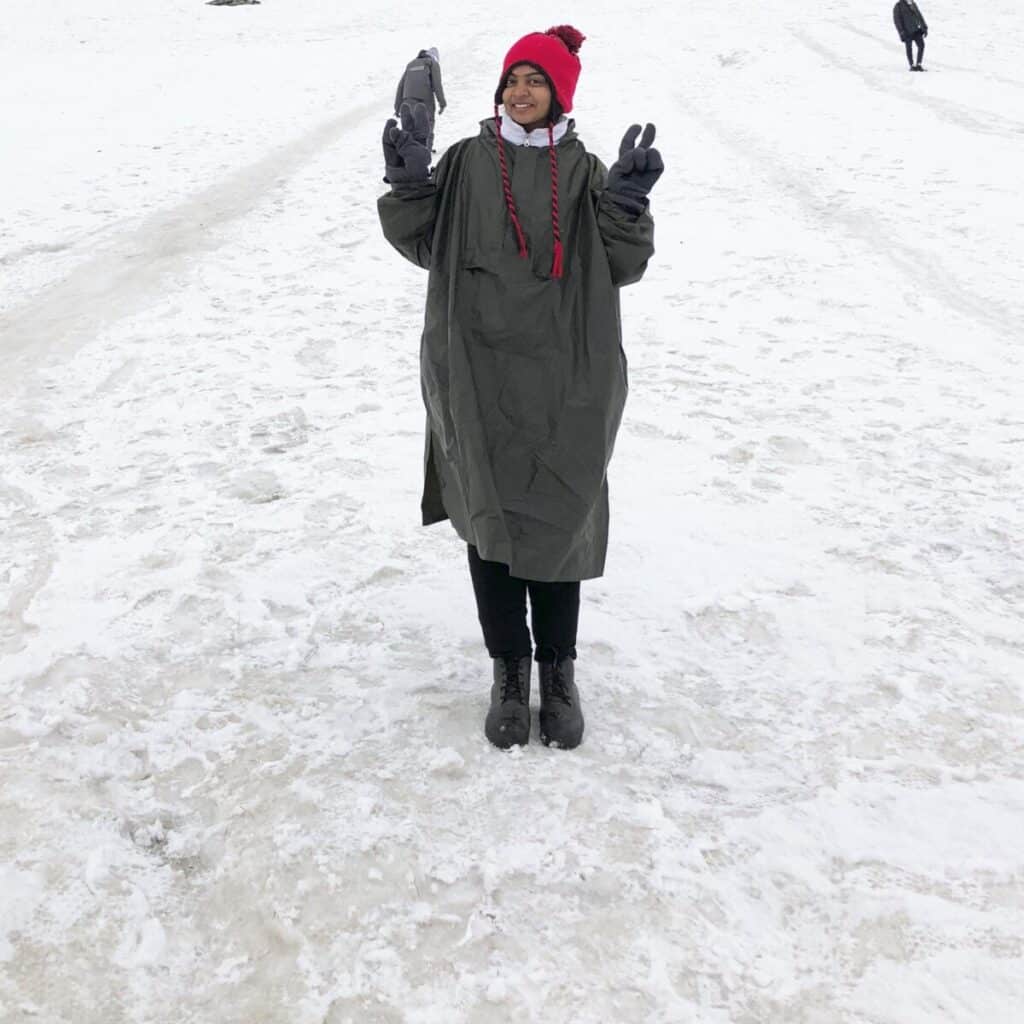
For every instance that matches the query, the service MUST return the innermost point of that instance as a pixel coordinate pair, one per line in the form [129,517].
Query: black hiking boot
[561,718]
[508,721]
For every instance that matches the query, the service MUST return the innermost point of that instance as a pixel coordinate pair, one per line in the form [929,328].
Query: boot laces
[512,682]
[559,688]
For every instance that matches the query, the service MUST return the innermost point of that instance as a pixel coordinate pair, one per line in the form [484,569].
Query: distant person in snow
[527,239]
[912,29]
[421,83]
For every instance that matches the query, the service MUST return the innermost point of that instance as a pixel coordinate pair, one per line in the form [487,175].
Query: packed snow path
[242,691]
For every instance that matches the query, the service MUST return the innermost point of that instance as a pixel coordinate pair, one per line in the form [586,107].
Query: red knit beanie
[554,53]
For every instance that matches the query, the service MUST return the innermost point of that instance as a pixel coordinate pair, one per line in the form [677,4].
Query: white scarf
[538,138]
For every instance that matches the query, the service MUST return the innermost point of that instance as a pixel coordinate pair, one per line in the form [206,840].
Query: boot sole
[557,744]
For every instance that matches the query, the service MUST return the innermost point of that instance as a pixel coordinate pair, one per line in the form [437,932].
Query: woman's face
[527,97]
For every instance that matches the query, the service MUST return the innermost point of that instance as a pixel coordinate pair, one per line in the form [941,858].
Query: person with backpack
[421,83]
[527,239]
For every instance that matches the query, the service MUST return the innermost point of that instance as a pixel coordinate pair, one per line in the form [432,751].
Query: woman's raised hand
[638,168]
[406,156]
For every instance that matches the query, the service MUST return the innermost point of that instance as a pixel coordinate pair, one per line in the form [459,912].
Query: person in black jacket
[912,28]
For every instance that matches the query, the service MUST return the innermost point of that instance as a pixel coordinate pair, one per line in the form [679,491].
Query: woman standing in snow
[527,239]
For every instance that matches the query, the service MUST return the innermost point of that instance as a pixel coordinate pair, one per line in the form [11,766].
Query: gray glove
[634,174]
[406,156]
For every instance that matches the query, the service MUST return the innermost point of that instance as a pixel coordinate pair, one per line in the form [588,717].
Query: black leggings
[501,605]
[919,39]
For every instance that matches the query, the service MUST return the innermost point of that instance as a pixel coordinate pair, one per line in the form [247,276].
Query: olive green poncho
[523,374]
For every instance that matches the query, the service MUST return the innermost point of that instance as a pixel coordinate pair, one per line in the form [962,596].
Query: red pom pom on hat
[572,37]
[553,52]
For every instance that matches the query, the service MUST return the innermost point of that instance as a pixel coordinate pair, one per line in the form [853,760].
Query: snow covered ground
[242,772]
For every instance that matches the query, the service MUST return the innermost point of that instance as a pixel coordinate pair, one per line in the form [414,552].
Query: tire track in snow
[1001,79]
[133,266]
[954,113]
[918,265]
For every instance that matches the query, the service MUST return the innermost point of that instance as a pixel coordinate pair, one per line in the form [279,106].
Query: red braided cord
[556,262]
[506,185]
